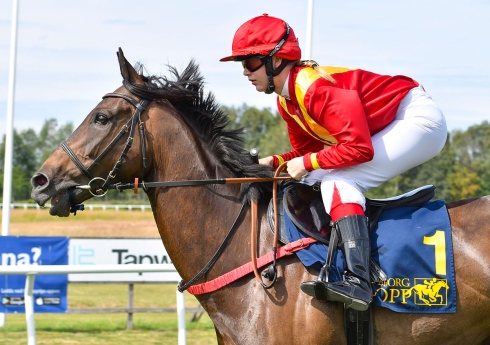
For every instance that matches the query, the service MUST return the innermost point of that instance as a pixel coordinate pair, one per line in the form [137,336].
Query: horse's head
[98,152]
[182,133]
[441,284]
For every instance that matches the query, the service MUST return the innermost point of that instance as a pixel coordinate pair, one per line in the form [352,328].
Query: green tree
[29,151]
[472,165]
[263,129]
[473,144]
[463,183]
[50,137]
[432,172]
[24,164]
[277,140]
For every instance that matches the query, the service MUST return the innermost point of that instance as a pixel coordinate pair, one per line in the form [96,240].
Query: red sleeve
[339,111]
[301,141]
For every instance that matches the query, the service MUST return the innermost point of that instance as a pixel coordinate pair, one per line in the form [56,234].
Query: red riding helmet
[260,36]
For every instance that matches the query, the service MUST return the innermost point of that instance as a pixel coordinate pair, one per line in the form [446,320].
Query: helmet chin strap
[272,72]
[270,77]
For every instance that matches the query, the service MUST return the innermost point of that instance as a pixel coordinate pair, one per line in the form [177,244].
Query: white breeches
[417,134]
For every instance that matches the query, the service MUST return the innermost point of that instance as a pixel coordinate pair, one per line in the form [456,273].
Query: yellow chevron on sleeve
[280,159]
[314,162]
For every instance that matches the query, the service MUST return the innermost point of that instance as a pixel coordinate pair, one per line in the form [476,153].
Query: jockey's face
[256,73]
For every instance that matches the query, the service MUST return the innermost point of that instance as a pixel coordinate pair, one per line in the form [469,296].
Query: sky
[66,50]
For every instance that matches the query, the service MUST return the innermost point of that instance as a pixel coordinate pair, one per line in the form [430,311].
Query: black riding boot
[355,290]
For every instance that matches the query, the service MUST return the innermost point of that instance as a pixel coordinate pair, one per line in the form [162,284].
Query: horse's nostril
[40,180]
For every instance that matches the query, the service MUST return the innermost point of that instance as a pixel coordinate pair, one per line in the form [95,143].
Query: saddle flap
[414,198]
[305,208]
[282,237]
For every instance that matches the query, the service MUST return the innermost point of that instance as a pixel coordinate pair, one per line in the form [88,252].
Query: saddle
[304,205]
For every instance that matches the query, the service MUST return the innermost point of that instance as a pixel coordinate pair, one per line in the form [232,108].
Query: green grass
[110,329]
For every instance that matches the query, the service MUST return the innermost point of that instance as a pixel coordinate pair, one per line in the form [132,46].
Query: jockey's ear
[127,70]
[276,61]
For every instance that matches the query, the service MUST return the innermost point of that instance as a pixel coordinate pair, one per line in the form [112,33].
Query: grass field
[97,223]
[104,329]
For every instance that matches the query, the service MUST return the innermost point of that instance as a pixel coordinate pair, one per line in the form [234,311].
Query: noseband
[98,183]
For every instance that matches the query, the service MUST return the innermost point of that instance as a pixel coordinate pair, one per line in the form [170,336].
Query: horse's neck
[192,221]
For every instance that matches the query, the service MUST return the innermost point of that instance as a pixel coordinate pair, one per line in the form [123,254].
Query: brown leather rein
[99,186]
[270,273]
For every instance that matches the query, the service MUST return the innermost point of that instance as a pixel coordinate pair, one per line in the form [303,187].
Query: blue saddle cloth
[413,246]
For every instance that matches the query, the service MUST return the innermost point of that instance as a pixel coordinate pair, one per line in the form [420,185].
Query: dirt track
[86,224]
[105,228]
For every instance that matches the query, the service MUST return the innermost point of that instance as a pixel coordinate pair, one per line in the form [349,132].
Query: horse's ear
[127,70]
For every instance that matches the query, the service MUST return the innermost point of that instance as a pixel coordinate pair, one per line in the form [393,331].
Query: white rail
[30,271]
[90,207]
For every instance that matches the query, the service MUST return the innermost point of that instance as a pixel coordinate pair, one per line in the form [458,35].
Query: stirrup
[315,289]
[332,248]
[356,301]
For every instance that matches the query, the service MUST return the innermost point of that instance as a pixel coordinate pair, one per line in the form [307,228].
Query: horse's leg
[421,296]
[439,295]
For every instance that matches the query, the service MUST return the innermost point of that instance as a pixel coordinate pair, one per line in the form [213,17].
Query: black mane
[201,111]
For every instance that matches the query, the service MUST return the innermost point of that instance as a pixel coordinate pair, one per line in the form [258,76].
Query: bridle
[99,186]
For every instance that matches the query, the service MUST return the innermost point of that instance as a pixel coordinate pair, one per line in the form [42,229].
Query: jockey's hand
[269,160]
[296,168]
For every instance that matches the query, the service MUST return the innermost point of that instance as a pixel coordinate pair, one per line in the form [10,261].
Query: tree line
[460,171]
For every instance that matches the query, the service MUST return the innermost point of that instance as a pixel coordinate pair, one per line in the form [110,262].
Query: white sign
[102,251]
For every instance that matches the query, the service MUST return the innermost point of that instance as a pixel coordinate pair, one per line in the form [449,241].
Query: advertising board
[106,251]
[49,290]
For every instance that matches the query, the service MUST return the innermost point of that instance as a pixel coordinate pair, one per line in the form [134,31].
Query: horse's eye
[101,119]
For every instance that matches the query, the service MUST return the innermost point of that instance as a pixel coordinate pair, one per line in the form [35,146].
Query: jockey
[350,130]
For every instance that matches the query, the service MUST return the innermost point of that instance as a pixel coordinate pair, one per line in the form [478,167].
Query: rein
[98,190]
[98,187]
[182,286]
[271,272]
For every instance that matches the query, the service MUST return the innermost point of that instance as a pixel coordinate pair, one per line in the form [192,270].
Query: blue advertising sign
[50,290]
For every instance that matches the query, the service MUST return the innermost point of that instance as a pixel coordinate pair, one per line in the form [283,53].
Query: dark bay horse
[179,134]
